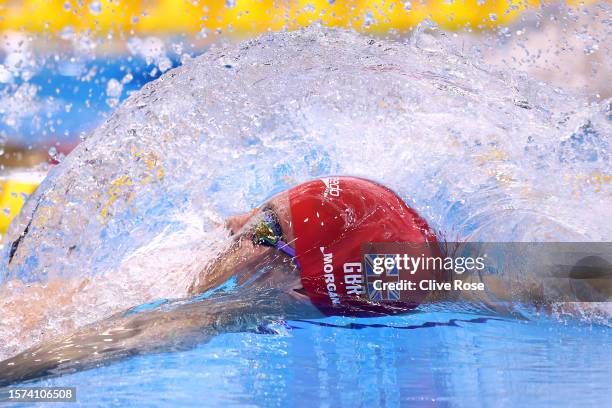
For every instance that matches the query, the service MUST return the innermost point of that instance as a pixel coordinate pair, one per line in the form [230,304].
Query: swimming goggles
[268,232]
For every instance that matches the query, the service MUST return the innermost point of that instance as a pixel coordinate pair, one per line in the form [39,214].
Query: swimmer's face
[244,257]
[278,206]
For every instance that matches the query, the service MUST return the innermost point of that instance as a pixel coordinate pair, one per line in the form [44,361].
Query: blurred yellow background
[14,190]
[248,17]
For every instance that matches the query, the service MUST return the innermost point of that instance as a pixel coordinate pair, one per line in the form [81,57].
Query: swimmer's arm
[26,307]
[575,288]
[155,331]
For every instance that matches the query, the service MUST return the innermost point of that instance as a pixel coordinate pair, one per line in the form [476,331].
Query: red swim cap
[332,217]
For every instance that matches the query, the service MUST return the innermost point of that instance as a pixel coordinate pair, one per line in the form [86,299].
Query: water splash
[464,145]
[481,154]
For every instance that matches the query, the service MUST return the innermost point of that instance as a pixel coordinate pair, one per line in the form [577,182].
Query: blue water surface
[424,360]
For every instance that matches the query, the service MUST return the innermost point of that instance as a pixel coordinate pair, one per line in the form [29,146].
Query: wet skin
[243,258]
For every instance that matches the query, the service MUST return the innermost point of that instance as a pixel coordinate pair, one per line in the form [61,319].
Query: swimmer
[299,255]
[310,237]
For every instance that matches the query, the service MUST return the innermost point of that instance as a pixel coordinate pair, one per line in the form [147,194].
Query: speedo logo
[332,186]
[328,274]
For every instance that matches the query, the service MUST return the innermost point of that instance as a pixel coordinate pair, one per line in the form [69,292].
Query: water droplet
[113,88]
[164,64]
[368,19]
[52,152]
[127,78]
[112,102]
[6,211]
[590,49]
[407,6]
[230,3]
[185,58]
[95,8]
[203,33]
[493,17]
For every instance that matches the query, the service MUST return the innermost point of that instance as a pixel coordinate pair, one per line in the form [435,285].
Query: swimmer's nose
[236,222]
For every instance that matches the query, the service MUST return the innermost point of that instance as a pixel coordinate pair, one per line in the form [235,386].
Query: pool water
[424,360]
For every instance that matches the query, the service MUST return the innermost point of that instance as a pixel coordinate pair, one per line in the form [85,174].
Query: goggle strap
[283,246]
